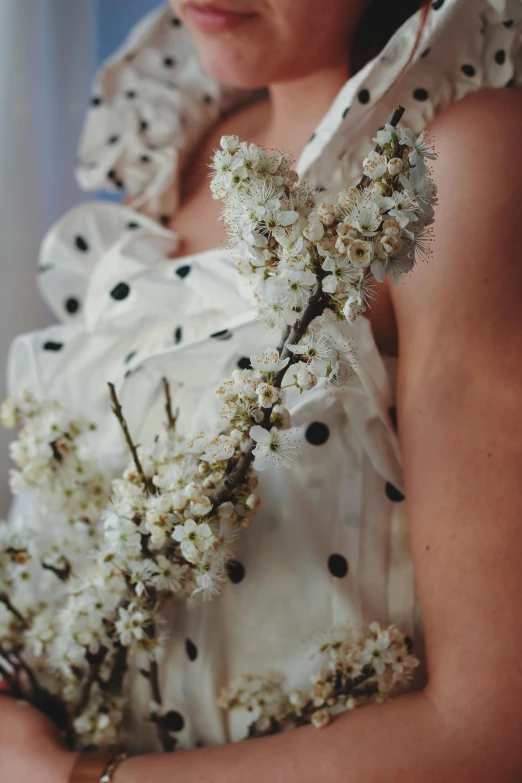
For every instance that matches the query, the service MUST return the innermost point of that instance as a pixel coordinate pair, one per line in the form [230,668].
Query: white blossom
[273,447]
[195,538]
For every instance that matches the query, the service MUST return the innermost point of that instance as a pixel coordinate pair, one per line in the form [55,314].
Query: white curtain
[47,60]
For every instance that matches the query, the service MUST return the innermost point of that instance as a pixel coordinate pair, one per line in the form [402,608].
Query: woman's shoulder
[473,275]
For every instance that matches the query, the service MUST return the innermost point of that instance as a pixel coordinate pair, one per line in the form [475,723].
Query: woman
[329,545]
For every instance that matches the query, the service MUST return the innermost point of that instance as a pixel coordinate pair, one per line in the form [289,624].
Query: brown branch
[168,742]
[171,418]
[118,671]
[4,599]
[95,661]
[117,410]
[63,574]
[315,306]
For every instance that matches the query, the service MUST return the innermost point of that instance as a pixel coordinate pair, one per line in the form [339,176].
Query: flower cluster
[358,668]
[286,242]
[53,456]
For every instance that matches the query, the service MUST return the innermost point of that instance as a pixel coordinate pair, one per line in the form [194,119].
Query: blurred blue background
[49,52]
[114,20]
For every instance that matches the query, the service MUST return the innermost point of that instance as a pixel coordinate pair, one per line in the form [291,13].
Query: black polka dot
[96,100]
[50,345]
[500,57]
[168,62]
[208,98]
[420,94]
[145,158]
[178,335]
[111,174]
[81,243]
[175,22]
[345,112]
[129,57]
[183,271]
[317,433]
[437,4]
[144,125]
[426,52]
[174,721]
[120,291]
[131,94]
[129,356]
[508,23]
[244,363]
[119,183]
[165,220]
[468,70]
[72,305]
[113,139]
[224,334]
[235,571]
[392,413]
[191,649]
[338,566]
[393,493]
[133,224]
[408,641]
[511,82]
[364,96]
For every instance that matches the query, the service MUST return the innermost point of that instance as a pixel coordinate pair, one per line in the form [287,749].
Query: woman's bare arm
[460,421]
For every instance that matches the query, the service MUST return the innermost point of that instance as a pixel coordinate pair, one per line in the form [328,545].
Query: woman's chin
[233,71]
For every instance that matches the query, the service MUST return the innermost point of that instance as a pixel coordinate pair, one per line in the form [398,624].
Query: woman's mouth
[213,18]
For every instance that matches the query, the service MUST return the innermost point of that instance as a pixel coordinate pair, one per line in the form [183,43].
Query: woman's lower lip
[215,20]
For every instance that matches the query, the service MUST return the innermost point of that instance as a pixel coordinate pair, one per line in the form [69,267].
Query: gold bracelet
[96,767]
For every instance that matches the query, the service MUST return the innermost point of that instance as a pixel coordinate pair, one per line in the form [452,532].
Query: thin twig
[171,418]
[168,742]
[95,662]
[4,599]
[117,410]
[63,574]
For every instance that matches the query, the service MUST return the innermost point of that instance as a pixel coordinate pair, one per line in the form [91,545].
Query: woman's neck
[297,106]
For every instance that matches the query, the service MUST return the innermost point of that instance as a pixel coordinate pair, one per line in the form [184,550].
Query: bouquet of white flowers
[82,600]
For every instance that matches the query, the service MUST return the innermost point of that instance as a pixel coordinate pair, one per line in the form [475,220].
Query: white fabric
[191,320]
[46,65]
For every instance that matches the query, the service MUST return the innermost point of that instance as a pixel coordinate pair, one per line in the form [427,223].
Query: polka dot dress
[329,544]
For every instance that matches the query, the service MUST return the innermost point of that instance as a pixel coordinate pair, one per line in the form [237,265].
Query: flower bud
[229,143]
[394,166]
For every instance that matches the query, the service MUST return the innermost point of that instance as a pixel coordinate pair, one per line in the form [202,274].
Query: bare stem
[168,742]
[4,599]
[95,662]
[63,574]
[171,418]
[116,409]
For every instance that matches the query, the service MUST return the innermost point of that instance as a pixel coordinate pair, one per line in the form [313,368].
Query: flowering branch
[317,302]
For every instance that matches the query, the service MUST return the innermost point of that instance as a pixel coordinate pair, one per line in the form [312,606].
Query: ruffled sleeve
[151,103]
[466,46]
